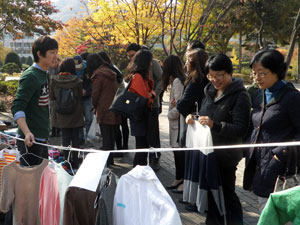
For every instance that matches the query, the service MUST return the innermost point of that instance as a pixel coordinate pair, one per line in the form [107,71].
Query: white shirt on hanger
[140,198]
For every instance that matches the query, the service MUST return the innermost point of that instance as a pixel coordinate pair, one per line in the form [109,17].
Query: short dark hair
[84,55]
[219,62]
[43,44]
[133,47]
[141,63]
[196,44]
[94,61]
[272,60]
[67,65]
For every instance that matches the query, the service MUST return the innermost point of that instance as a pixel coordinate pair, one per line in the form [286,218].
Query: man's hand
[189,119]
[29,139]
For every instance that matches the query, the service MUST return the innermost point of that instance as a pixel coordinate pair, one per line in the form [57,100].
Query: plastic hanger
[29,153]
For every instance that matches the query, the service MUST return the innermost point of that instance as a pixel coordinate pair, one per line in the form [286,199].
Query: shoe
[176,191]
[182,202]
[174,186]
[191,208]
[155,165]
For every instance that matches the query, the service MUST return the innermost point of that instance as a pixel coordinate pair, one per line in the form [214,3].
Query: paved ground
[167,171]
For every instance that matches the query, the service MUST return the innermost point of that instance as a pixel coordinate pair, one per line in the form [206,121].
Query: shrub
[13,57]
[29,61]
[10,68]
[25,67]
[23,60]
[9,87]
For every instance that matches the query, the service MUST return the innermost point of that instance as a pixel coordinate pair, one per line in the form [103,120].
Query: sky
[68,9]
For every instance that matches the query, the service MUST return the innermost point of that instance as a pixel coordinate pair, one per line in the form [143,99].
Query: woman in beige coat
[173,74]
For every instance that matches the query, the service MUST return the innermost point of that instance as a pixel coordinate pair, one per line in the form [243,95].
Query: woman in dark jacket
[275,119]
[103,92]
[193,93]
[69,123]
[226,110]
[141,84]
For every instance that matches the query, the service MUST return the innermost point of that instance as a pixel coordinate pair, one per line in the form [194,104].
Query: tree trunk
[240,52]
[294,37]
[298,56]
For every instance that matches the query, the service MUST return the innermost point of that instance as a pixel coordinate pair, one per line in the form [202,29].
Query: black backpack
[66,101]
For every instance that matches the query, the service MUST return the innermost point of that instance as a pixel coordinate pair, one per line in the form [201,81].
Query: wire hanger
[29,153]
[68,159]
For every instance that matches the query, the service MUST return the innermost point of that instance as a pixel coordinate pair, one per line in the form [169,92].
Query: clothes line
[239,146]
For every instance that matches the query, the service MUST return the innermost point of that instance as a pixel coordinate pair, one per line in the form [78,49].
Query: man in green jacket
[30,107]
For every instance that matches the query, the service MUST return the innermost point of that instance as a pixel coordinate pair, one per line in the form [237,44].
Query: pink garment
[49,204]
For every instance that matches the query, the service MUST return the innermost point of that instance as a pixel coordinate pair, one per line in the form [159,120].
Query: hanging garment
[282,207]
[7,156]
[202,173]
[49,205]
[105,199]
[79,207]
[63,181]
[140,198]
[20,188]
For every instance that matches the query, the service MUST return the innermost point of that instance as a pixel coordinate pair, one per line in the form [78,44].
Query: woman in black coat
[226,110]
[275,119]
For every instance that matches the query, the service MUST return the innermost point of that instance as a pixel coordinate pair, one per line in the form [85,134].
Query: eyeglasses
[259,74]
[215,77]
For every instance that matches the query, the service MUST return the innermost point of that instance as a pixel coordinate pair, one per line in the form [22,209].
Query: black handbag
[129,104]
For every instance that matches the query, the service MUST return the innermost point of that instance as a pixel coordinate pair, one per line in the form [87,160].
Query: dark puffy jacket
[280,122]
[230,113]
[193,92]
[66,120]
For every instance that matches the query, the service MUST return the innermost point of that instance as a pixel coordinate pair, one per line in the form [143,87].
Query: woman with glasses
[226,110]
[275,118]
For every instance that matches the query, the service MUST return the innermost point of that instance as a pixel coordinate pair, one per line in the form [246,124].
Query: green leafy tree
[13,57]
[27,17]
[29,61]
[10,68]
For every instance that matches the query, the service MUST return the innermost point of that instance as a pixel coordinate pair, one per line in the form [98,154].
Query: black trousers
[122,136]
[70,137]
[153,131]
[39,150]
[140,158]
[234,211]
[179,158]
[108,137]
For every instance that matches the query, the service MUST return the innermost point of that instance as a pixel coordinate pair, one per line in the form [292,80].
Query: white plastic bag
[94,132]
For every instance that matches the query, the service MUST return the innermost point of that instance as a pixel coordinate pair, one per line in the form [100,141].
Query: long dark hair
[172,67]
[141,63]
[197,63]
[94,61]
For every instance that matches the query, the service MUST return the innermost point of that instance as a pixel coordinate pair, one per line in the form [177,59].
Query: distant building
[22,46]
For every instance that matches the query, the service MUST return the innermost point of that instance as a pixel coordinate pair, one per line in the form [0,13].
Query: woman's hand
[173,102]
[205,120]
[189,119]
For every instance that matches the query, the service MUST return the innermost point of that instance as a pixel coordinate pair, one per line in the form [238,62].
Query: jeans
[88,116]
[70,136]
[140,158]
[108,138]
[153,132]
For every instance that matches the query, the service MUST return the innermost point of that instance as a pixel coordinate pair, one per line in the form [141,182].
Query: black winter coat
[280,122]
[230,113]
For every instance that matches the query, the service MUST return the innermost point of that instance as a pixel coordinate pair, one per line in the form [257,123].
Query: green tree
[27,17]
[29,61]
[10,68]
[13,57]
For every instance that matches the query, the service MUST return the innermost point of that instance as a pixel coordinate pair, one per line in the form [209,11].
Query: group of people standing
[206,94]
[264,113]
